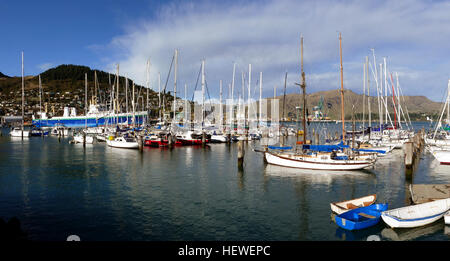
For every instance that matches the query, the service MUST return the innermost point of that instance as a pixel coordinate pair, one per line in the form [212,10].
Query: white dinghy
[344,206]
[416,215]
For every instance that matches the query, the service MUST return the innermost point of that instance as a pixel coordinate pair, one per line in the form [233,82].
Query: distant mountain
[418,107]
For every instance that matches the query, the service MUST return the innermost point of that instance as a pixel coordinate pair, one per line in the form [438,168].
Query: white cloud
[45,66]
[413,35]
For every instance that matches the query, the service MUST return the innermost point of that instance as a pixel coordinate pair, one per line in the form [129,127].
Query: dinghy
[344,206]
[416,215]
[447,218]
[361,218]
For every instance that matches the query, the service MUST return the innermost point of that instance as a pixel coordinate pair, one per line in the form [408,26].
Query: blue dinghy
[361,218]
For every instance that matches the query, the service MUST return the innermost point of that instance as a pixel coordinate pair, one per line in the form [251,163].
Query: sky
[413,36]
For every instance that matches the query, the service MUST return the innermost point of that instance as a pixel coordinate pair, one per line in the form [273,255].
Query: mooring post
[203,139]
[84,139]
[228,138]
[140,143]
[408,150]
[241,153]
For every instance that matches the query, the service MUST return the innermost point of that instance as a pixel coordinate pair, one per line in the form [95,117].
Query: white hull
[79,139]
[18,133]
[116,143]
[443,156]
[218,138]
[416,215]
[316,163]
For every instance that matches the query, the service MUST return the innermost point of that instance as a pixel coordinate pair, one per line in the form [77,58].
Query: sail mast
[23,96]
[342,90]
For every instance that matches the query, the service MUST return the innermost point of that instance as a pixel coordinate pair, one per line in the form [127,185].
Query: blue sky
[413,35]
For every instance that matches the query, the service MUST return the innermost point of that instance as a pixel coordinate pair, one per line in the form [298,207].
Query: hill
[418,106]
[65,86]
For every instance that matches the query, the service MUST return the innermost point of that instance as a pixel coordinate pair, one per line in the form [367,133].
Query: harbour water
[99,193]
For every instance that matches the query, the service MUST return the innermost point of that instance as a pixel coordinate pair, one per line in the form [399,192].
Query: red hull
[192,142]
[160,143]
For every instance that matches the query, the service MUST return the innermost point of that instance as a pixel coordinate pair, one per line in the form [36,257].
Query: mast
[342,91]
[148,82]
[134,108]
[23,96]
[203,94]
[260,98]
[232,100]
[175,86]
[248,98]
[220,107]
[364,97]
[126,97]
[303,86]
[385,88]
[368,93]
[85,100]
[159,96]
[40,97]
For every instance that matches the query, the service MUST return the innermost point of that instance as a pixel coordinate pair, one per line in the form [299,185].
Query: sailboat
[20,132]
[310,159]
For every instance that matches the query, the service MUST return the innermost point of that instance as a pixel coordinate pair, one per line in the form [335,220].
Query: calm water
[57,189]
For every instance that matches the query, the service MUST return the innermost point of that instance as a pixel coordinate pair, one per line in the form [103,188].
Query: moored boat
[123,142]
[344,206]
[416,215]
[17,132]
[319,161]
[361,218]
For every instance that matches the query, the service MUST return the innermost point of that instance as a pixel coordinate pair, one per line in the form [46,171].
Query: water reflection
[317,176]
[408,234]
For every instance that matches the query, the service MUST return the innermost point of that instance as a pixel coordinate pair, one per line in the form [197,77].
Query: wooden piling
[203,139]
[408,150]
[240,155]
[141,143]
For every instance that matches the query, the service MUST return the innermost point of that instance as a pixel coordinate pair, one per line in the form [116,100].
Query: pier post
[170,141]
[141,143]
[229,138]
[203,139]
[240,155]
[84,139]
[408,149]
[317,139]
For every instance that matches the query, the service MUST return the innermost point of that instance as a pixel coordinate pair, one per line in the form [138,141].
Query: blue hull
[361,218]
[89,122]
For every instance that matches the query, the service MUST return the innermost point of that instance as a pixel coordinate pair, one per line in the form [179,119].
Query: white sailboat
[21,132]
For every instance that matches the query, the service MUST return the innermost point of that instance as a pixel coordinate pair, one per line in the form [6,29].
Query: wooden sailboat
[317,160]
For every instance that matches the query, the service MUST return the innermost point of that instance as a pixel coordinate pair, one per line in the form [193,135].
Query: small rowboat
[344,206]
[447,218]
[361,218]
[416,215]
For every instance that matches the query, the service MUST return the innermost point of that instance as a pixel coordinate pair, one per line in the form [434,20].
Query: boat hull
[337,165]
[361,218]
[123,145]
[344,206]
[416,215]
